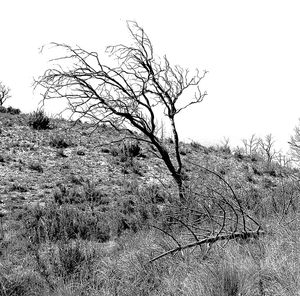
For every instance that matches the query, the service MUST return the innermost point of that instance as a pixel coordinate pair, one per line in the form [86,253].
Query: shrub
[257,171]
[58,141]
[196,145]
[20,284]
[131,149]
[10,110]
[38,120]
[114,152]
[128,151]
[225,149]
[64,223]
[18,187]
[70,258]
[36,167]
[87,193]
[13,111]
[238,154]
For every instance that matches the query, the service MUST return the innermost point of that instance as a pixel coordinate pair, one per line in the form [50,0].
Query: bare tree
[284,160]
[132,96]
[267,148]
[4,93]
[295,144]
[251,145]
[225,143]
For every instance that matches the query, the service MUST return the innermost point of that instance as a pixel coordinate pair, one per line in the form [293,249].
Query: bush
[71,258]
[196,145]
[65,223]
[239,155]
[38,120]
[128,151]
[131,149]
[86,193]
[18,284]
[13,111]
[10,110]
[225,149]
[35,166]
[59,141]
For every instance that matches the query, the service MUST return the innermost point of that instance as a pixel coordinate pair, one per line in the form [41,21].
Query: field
[82,214]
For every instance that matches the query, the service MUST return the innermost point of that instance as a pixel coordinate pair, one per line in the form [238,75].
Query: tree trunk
[178,179]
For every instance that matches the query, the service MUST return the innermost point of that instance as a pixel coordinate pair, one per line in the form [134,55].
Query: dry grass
[91,233]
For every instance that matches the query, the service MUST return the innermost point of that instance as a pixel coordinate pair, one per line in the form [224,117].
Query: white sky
[250,48]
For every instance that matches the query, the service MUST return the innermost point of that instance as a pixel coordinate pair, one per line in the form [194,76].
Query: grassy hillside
[80,214]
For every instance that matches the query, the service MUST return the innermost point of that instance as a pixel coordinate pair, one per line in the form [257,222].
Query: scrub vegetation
[91,223]
[110,202]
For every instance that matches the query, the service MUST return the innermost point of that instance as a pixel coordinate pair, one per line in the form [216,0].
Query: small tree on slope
[4,93]
[131,96]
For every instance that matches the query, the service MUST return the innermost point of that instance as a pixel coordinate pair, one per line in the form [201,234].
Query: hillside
[77,215]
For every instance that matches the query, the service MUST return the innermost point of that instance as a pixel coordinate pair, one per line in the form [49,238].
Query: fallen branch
[243,235]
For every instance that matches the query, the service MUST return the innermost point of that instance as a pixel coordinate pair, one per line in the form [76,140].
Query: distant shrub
[18,187]
[86,193]
[59,141]
[39,120]
[114,152]
[10,110]
[271,171]
[78,180]
[13,111]
[238,154]
[128,150]
[255,157]
[35,166]
[195,145]
[257,171]
[131,149]
[60,152]
[225,149]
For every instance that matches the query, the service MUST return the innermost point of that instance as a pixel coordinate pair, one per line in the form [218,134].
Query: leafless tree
[295,144]
[267,148]
[131,96]
[4,93]
[225,143]
[251,145]
[284,160]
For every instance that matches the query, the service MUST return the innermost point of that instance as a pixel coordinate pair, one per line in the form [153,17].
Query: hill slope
[77,214]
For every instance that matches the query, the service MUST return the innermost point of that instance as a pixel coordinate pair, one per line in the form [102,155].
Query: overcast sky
[250,48]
